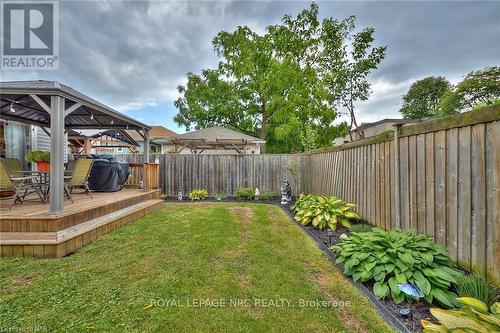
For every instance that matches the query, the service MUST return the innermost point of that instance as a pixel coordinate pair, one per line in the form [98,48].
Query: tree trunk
[262,134]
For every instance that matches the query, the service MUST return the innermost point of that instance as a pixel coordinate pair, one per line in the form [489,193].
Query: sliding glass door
[15,141]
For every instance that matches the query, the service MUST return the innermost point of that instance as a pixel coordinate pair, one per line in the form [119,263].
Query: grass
[475,286]
[184,254]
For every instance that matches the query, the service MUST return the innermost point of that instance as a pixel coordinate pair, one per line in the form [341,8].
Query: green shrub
[322,212]
[360,227]
[476,287]
[267,195]
[245,193]
[37,156]
[389,258]
[198,194]
[473,317]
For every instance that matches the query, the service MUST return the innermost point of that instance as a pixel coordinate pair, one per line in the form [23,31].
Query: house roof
[91,113]
[156,132]
[390,121]
[216,133]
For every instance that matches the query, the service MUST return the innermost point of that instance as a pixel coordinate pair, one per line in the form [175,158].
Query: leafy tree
[309,139]
[347,71]
[478,87]
[285,84]
[423,97]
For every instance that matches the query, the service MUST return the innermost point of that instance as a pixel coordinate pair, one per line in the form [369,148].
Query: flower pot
[43,166]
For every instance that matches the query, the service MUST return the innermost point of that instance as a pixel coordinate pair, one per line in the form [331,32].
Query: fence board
[440,194]
[493,200]
[404,184]
[421,177]
[429,184]
[464,197]
[452,192]
[478,246]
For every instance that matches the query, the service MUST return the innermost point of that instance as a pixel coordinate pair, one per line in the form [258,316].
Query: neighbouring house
[156,136]
[112,142]
[214,141]
[373,129]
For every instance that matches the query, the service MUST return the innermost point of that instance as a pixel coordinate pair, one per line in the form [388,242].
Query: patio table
[22,182]
[40,179]
[44,182]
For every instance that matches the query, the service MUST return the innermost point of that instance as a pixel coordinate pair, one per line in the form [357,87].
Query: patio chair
[79,177]
[13,166]
[17,185]
[70,166]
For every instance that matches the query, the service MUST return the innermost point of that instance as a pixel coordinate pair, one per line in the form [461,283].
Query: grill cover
[108,176]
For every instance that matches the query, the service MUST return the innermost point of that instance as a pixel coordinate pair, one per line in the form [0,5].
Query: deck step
[82,228]
[55,238]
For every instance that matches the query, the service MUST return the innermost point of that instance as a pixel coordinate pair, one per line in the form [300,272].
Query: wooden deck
[35,208]
[28,230]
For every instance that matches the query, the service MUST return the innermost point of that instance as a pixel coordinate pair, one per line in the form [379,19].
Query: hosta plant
[473,317]
[324,212]
[392,258]
[198,194]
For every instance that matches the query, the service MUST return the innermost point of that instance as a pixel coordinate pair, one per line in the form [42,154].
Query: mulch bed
[418,310]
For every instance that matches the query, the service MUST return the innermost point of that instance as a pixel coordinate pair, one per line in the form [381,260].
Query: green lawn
[184,255]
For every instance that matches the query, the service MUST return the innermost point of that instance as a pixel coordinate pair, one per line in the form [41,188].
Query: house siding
[41,141]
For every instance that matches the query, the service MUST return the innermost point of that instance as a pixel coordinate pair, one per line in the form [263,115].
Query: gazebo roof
[91,114]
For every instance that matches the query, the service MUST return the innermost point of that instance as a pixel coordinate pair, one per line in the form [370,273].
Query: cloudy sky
[133,55]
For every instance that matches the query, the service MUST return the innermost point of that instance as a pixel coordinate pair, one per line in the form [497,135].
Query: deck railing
[144,175]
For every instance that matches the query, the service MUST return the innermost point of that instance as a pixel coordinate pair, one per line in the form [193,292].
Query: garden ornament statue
[180,195]
[286,193]
[257,193]
[410,290]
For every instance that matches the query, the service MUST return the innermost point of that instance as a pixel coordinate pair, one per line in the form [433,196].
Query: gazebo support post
[57,112]
[57,155]
[146,146]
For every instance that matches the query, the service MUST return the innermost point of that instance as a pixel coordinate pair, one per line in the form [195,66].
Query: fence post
[397,177]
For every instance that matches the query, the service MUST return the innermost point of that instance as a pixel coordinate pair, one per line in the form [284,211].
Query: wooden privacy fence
[441,177]
[224,174]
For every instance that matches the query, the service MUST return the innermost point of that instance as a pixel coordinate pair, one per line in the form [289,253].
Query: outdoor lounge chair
[17,184]
[79,177]
[13,166]
[70,167]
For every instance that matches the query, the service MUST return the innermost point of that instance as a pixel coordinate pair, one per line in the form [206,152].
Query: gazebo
[57,108]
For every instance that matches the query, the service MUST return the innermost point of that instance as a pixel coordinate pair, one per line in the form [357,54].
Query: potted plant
[41,158]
